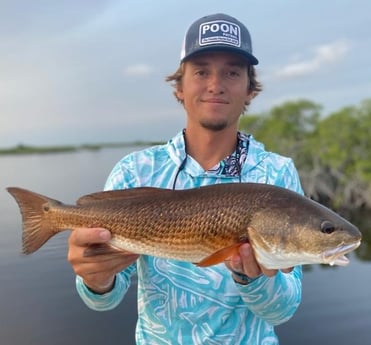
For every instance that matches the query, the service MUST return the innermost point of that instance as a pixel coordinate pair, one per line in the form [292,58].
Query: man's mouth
[215,101]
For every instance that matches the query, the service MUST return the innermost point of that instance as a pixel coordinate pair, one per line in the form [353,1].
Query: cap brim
[252,60]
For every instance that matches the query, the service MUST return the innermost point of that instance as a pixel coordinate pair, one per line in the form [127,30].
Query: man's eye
[233,74]
[200,73]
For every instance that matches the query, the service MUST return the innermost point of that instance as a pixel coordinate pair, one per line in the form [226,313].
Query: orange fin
[37,227]
[220,255]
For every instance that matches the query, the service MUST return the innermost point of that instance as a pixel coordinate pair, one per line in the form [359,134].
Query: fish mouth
[337,256]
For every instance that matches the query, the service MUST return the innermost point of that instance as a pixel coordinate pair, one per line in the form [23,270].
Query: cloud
[323,55]
[138,70]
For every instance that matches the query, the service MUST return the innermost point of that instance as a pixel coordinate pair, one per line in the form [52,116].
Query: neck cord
[184,161]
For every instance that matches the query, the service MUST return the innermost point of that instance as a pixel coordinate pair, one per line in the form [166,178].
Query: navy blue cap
[218,32]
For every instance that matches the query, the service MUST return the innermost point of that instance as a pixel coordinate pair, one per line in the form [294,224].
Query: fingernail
[245,250]
[104,235]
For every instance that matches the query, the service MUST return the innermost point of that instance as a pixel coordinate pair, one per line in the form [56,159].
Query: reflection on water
[39,304]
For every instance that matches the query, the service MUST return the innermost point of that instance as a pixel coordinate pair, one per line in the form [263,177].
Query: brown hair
[176,81]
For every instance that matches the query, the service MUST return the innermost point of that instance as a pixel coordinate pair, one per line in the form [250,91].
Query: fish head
[297,230]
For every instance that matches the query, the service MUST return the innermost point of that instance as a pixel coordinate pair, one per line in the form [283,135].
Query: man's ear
[251,94]
[179,94]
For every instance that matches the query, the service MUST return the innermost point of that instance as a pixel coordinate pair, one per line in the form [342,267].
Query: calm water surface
[39,304]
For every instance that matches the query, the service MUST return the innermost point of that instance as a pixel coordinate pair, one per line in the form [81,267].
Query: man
[238,302]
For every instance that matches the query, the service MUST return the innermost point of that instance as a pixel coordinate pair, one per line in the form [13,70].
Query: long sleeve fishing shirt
[180,303]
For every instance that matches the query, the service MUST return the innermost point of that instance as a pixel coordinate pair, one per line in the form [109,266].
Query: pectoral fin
[220,255]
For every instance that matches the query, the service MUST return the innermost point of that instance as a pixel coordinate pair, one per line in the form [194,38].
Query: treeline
[332,153]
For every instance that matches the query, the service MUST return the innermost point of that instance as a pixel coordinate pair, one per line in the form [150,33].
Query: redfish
[204,225]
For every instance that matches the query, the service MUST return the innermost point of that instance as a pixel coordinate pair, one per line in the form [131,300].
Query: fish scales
[203,225]
[174,224]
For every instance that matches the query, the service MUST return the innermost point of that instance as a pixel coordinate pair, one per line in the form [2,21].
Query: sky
[75,71]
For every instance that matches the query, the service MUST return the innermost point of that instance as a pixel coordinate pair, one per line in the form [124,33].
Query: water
[39,304]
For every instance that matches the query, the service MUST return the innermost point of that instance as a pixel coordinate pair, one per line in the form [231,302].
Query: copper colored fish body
[203,225]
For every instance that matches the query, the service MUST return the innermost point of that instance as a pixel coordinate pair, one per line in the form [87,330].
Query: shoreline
[22,149]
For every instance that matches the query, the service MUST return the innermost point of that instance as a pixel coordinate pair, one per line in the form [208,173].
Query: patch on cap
[220,32]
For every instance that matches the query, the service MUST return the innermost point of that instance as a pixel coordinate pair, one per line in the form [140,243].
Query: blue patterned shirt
[180,303]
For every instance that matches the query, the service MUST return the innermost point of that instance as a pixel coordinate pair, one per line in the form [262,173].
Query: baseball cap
[217,32]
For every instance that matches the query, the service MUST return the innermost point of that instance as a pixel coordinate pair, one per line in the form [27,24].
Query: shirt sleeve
[109,300]
[274,299]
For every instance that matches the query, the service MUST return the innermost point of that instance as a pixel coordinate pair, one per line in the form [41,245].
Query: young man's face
[215,89]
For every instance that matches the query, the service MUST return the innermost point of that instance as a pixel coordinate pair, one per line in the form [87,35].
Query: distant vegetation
[332,153]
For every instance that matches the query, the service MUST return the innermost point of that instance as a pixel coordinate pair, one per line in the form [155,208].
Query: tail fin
[37,228]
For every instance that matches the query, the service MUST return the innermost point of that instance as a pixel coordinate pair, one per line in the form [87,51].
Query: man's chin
[214,126]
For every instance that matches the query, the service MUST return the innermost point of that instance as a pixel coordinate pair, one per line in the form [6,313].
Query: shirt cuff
[102,302]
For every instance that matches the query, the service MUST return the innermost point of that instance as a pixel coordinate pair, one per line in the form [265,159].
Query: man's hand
[245,263]
[99,271]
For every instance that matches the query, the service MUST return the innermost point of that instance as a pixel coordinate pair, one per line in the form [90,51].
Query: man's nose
[216,83]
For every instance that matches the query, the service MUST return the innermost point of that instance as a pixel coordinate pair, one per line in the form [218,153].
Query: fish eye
[327,227]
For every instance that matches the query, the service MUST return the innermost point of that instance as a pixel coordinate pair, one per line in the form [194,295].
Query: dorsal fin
[130,193]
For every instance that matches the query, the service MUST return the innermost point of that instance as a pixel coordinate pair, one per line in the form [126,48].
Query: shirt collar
[229,166]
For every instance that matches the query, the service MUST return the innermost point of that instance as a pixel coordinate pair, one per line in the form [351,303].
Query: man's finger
[85,236]
[249,265]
